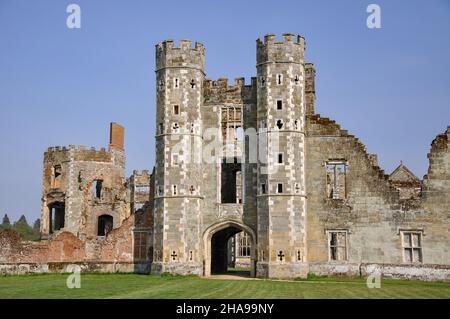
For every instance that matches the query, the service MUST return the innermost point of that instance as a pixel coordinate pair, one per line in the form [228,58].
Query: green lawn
[151,286]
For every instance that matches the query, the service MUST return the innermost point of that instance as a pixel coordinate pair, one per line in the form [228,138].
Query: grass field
[151,286]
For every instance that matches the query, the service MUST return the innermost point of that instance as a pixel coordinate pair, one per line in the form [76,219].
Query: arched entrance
[216,246]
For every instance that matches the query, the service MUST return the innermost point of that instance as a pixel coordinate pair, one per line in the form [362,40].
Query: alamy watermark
[374,19]
[74,279]
[374,280]
[74,19]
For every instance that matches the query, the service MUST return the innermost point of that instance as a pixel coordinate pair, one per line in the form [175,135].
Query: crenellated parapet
[220,91]
[144,173]
[78,153]
[169,55]
[290,49]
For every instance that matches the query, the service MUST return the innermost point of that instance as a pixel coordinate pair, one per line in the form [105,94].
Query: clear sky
[59,86]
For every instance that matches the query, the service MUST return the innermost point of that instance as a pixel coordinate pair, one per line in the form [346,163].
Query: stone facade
[312,199]
[234,159]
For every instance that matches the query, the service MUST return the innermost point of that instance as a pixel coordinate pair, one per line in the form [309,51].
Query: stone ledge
[426,272]
[63,267]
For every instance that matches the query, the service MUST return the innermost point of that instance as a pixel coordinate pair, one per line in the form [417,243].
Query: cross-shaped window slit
[174,255]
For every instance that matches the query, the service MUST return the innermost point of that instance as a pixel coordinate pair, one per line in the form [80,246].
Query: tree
[37,228]
[5,223]
[25,230]
[37,225]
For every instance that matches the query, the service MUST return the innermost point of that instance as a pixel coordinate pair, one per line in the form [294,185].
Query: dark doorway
[56,216]
[231,181]
[220,252]
[105,225]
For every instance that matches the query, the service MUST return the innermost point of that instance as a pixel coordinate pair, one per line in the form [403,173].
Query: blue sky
[59,86]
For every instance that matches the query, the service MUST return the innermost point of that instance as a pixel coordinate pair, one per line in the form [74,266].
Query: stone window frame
[102,216]
[244,245]
[56,176]
[97,188]
[278,188]
[412,246]
[328,236]
[336,161]
[176,109]
[172,159]
[263,189]
[140,244]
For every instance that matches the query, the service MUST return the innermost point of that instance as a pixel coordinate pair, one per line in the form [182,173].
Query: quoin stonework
[246,175]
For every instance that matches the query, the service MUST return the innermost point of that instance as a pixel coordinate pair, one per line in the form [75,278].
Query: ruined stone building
[245,175]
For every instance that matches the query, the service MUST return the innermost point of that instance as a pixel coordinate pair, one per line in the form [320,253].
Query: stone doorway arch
[226,229]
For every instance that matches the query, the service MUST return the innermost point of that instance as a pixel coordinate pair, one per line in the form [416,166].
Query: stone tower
[178,173]
[83,188]
[281,200]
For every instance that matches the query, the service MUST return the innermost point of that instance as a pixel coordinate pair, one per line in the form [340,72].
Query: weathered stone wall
[372,213]
[139,187]
[168,218]
[295,223]
[280,117]
[114,252]
[78,169]
[178,172]
[427,272]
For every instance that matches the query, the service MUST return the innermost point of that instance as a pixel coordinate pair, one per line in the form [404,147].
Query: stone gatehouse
[254,160]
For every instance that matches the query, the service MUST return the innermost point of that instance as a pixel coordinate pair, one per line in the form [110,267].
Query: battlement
[78,153]
[183,45]
[223,83]
[144,172]
[183,55]
[287,38]
[290,49]
[220,91]
[76,148]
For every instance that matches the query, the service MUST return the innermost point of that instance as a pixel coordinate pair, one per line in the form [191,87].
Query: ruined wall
[333,192]
[70,176]
[372,213]
[112,253]
[436,200]
[139,186]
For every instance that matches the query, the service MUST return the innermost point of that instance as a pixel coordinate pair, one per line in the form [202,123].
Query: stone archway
[214,243]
